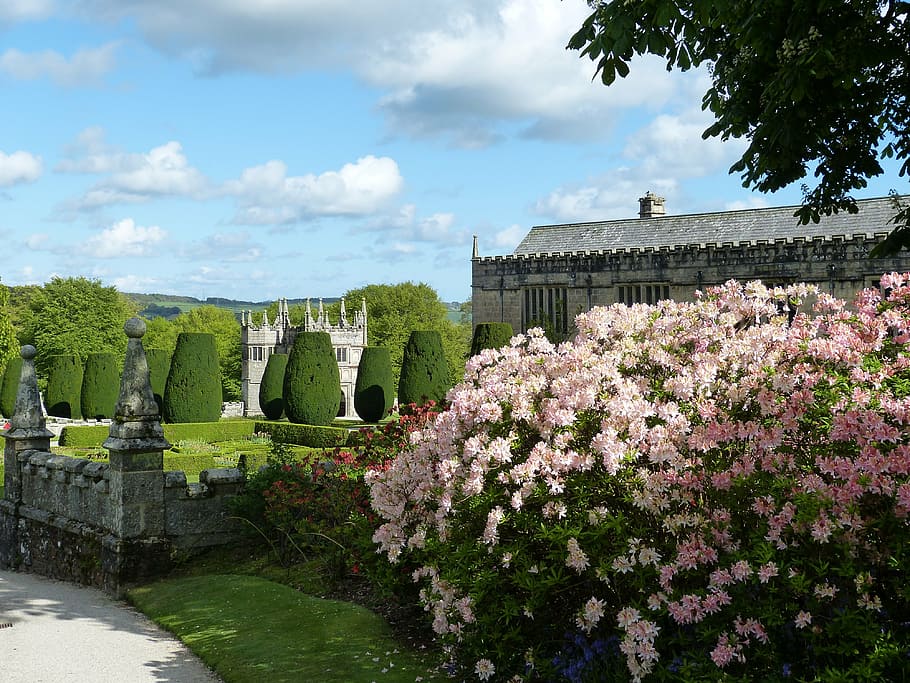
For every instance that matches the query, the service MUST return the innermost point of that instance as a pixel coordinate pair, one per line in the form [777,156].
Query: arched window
[342,406]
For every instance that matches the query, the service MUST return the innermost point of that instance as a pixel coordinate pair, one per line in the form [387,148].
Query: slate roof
[701,228]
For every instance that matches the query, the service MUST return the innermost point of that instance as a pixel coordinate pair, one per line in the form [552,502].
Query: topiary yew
[10,386]
[374,391]
[271,389]
[193,389]
[312,385]
[159,361]
[100,386]
[424,369]
[490,336]
[64,387]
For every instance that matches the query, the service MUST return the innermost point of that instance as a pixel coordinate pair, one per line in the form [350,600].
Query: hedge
[271,400]
[305,435]
[312,384]
[100,386]
[64,386]
[193,389]
[425,372]
[10,386]
[92,436]
[374,391]
[159,361]
[490,336]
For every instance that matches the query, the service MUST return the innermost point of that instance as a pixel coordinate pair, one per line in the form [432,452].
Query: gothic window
[341,354]
[649,293]
[256,353]
[546,307]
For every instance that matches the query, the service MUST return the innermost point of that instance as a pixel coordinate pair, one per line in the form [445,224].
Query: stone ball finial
[134,328]
[28,352]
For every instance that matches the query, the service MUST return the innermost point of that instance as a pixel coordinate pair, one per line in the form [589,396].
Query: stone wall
[107,524]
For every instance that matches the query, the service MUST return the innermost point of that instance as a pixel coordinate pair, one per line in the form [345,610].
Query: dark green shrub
[159,361]
[271,400]
[312,385]
[64,386]
[305,435]
[490,336]
[10,386]
[100,386]
[374,391]
[193,389]
[92,436]
[424,369]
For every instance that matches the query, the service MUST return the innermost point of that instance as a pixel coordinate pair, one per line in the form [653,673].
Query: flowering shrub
[719,489]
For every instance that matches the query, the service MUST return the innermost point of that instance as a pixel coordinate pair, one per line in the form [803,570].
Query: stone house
[558,271]
[258,342]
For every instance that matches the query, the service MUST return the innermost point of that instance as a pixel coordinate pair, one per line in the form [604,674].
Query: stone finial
[308,320]
[28,420]
[136,424]
[320,317]
[474,252]
[343,322]
[265,319]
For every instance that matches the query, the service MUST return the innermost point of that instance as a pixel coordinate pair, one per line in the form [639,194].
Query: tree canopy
[815,86]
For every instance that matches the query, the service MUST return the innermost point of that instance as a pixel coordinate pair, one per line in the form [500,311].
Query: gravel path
[55,632]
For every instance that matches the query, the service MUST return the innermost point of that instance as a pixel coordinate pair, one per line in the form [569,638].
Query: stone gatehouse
[258,342]
[559,271]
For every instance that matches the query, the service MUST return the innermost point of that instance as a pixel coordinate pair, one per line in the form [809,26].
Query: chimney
[651,206]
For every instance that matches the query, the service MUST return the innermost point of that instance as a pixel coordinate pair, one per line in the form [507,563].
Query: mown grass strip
[251,630]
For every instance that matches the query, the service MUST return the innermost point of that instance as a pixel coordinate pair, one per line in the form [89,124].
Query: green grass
[250,629]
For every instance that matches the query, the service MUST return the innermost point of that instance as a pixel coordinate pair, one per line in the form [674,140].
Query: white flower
[484,669]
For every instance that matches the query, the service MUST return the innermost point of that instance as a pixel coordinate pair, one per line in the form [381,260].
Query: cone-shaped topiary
[424,369]
[100,386]
[271,389]
[374,391]
[159,361]
[64,386]
[193,389]
[490,336]
[10,386]
[312,385]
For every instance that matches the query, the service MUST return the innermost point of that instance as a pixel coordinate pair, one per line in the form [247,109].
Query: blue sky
[253,149]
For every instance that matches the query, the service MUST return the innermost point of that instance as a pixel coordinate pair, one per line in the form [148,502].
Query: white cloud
[509,238]
[85,67]
[267,195]
[136,283]
[19,167]
[23,10]
[228,247]
[124,239]
[611,196]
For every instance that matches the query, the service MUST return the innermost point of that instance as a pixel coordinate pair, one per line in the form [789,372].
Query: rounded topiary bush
[490,336]
[159,362]
[312,385]
[271,389]
[64,387]
[193,389]
[374,391]
[424,370]
[100,386]
[10,386]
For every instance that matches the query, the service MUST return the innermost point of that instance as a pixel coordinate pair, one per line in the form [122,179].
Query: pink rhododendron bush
[697,492]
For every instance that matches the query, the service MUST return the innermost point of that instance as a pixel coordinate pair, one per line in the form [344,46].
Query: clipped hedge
[490,336]
[374,391]
[271,400]
[64,387]
[314,436]
[191,464]
[193,389]
[100,386]
[424,370]
[159,361]
[312,384]
[92,436]
[10,386]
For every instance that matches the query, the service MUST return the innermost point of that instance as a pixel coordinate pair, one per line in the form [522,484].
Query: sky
[256,149]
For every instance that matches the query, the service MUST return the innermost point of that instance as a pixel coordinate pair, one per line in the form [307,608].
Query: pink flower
[803,619]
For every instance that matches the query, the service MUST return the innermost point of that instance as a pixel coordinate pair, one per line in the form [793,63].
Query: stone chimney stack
[651,206]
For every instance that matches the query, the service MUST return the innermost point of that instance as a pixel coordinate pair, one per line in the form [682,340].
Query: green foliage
[394,311]
[193,389]
[271,389]
[159,362]
[374,391]
[74,316]
[10,386]
[9,346]
[92,436]
[314,436]
[191,464]
[64,387]
[424,371]
[814,86]
[312,384]
[490,336]
[100,386]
